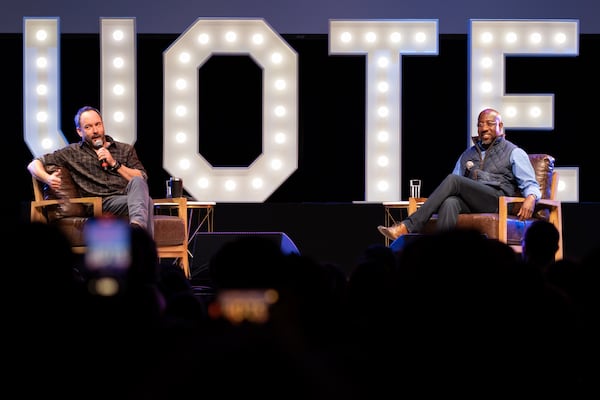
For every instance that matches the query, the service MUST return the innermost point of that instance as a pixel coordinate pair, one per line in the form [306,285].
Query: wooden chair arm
[178,200]
[555,216]
[414,203]
[174,202]
[37,206]
[541,204]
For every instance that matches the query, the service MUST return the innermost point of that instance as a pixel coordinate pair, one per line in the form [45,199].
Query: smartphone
[244,305]
[108,254]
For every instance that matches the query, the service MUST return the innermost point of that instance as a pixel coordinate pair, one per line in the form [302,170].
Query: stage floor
[340,232]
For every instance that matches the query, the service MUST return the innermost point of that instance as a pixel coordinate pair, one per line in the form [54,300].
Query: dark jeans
[455,195]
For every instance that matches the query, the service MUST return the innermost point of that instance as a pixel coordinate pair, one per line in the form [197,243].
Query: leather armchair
[70,212]
[504,225]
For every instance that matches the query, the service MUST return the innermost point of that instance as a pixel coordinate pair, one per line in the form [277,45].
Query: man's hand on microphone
[104,154]
[468,165]
[106,159]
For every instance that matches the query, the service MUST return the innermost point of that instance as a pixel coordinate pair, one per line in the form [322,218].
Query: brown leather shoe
[394,231]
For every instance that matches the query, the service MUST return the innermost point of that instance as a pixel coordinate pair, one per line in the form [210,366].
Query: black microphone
[468,165]
[98,143]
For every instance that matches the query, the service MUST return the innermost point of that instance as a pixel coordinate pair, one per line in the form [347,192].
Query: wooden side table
[200,216]
[205,217]
[394,212]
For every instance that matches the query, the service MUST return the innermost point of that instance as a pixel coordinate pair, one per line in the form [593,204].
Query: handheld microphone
[468,165]
[98,143]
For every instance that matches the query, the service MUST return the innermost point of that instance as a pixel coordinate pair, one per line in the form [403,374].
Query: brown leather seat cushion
[70,217]
[487,223]
[168,230]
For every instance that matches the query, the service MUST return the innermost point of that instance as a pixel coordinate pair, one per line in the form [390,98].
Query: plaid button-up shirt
[87,172]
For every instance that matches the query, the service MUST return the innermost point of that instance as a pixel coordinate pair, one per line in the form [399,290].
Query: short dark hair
[81,111]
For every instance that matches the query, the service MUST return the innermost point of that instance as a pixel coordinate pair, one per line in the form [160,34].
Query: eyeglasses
[490,124]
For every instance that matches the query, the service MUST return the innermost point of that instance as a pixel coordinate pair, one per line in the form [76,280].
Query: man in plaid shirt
[100,166]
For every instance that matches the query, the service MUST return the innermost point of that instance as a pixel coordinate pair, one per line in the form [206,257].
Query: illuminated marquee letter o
[279,158]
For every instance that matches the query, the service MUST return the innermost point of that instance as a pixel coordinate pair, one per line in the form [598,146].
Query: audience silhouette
[452,312]
[540,243]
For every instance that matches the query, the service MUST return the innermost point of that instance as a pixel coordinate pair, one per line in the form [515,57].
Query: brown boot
[394,231]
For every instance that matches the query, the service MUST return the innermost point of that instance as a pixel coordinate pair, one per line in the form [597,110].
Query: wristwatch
[116,166]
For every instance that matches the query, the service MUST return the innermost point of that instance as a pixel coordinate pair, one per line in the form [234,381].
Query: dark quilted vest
[495,169]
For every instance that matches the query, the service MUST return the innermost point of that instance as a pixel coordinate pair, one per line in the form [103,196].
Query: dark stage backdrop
[331,111]
[290,16]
